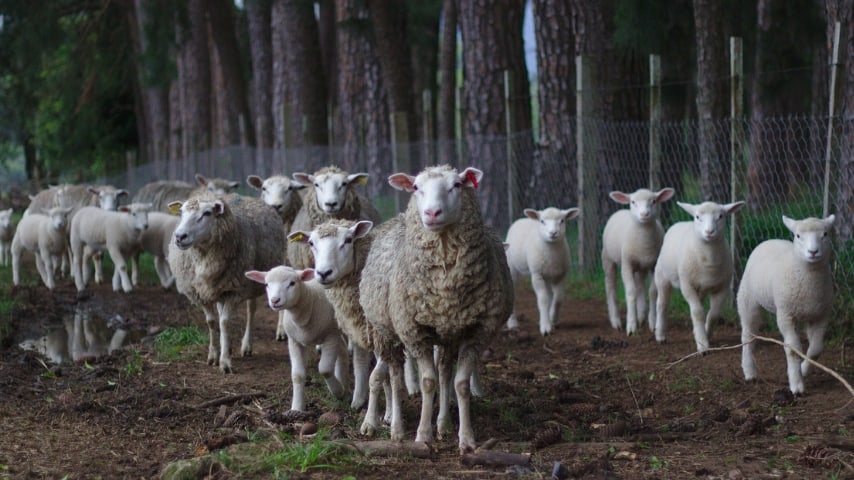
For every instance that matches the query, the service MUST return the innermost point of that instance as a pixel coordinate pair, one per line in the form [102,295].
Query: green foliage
[171,343]
[133,365]
[302,457]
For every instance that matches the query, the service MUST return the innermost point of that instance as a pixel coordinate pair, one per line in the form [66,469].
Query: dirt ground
[585,402]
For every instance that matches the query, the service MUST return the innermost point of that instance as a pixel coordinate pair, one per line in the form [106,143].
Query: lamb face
[551,222]
[437,193]
[811,238]
[643,203]
[283,284]
[277,191]
[710,218]
[58,217]
[333,249]
[138,214]
[216,186]
[108,197]
[197,221]
[330,188]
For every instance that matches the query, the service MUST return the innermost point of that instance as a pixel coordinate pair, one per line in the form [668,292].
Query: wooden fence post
[400,161]
[831,112]
[738,169]
[587,156]
[654,121]
[509,124]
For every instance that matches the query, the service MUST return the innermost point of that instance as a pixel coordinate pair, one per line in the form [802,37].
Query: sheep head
[812,237]
[197,220]
[438,193]
[710,218]
[283,284]
[551,222]
[331,185]
[277,191]
[333,245]
[643,203]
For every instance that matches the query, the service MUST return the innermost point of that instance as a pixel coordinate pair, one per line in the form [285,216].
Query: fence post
[460,124]
[654,121]
[399,152]
[511,161]
[737,167]
[831,112]
[586,145]
[427,121]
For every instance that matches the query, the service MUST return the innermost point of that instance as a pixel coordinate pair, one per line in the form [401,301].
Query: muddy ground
[601,404]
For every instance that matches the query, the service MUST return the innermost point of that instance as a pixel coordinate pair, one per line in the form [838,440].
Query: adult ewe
[438,276]
[331,194]
[792,280]
[537,248]
[695,259]
[632,239]
[161,193]
[216,241]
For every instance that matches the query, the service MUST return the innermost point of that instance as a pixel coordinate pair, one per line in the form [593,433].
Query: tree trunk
[258,14]
[424,38]
[492,44]
[195,75]
[328,31]
[711,100]
[552,180]
[281,95]
[446,111]
[843,10]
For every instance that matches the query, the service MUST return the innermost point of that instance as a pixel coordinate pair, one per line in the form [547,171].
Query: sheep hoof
[368,430]
[281,338]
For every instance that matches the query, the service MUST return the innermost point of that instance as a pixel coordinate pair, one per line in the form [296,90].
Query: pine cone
[548,435]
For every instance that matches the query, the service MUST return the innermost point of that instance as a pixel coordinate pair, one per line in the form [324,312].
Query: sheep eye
[415,188]
[824,234]
[652,202]
[292,283]
[316,185]
[263,189]
[348,240]
[797,235]
[311,244]
[206,213]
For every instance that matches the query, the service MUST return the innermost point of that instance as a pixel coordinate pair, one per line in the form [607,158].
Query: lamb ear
[620,197]
[829,220]
[306,275]
[296,186]
[123,208]
[122,193]
[299,237]
[402,181]
[531,213]
[731,208]
[93,190]
[571,213]
[687,207]
[233,185]
[201,180]
[790,223]
[256,276]
[254,181]
[361,178]
[664,194]
[471,177]
[362,228]
[303,178]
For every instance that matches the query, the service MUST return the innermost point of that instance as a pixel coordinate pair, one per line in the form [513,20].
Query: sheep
[7,232]
[340,248]
[95,230]
[161,193]
[155,240]
[695,259]
[216,241]
[632,239]
[794,281]
[309,320]
[44,235]
[436,275]
[43,200]
[537,248]
[331,194]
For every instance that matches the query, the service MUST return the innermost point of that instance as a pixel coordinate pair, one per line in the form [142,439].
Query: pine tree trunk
[195,76]
[843,10]
[446,111]
[258,14]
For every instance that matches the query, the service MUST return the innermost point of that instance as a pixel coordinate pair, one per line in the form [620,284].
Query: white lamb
[436,275]
[537,248]
[44,235]
[695,259]
[331,194]
[95,230]
[217,240]
[7,232]
[794,281]
[155,240]
[309,320]
[632,239]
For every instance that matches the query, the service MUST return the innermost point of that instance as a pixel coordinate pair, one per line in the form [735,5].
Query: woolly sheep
[794,281]
[695,259]
[217,240]
[537,248]
[340,248]
[7,232]
[632,239]
[331,194]
[44,235]
[95,230]
[436,275]
[161,193]
[309,320]
[42,201]
[155,240]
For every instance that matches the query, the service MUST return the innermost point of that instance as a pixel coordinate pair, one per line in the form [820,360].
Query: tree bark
[328,31]
[281,95]
[258,14]
[843,10]
[446,111]
[195,75]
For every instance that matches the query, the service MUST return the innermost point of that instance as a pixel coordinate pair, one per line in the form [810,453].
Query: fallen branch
[387,448]
[809,360]
[697,354]
[230,399]
[490,458]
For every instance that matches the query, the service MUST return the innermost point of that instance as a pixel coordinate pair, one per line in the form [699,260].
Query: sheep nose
[180,237]
[278,207]
[813,253]
[325,274]
[331,204]
[432,213]
[709,232]
[274,301]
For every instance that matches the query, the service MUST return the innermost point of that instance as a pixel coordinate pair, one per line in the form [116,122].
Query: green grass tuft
[171,343]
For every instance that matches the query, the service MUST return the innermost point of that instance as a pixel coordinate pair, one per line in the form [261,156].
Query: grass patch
[302,457]
[171,343]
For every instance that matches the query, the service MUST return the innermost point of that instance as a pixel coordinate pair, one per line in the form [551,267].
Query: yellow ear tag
[363,180]
[297,237]
[175,209]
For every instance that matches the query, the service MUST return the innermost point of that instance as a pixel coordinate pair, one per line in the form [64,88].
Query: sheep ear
[66,210]
[362,228]
[122,193]
[256,276]
[571,213]
[664,194]
[790,223]
[201,180]
[531,213]
[304,178]
[361,178]
[233,185]
[620,197]
[93,190]
[402,181]
[731,208]
[254,181]
[299,237]
[123,208]
[296,186]
[471,177]
[829,220]
[687,207]
[505,245]
[175,208]
[306,275]
[218,207]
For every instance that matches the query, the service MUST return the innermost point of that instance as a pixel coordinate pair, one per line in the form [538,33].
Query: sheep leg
[163,272]
[134,269]
[610,269]
[513,321]
[122,268]
[411,374]
[751,318]
[246,343]
[226,310]
[342,363]
[116,280]
[43,260]
[326,366]
[40,266]
[361,373]
[554,310]
[815,336]
[83,268]
[791,339]
[631,298]
[16,266]
[697,317]
[76,267]
[544,300]
[664,289]
[445,365]
[465,365]
[476,387]
[371,422]
[211,321]
[716,305]
[640,290]
[296,352]
[389,401]
[427,369]
[97,261]
[653,305]
[395,372]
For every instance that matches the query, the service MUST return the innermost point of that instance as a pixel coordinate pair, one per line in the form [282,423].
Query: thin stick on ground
[697,354]
[635,398]
[811,361]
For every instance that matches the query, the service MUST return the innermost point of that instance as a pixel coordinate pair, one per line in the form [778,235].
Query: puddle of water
[81,336]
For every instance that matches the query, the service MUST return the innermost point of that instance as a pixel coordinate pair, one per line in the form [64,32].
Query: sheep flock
[427,288]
